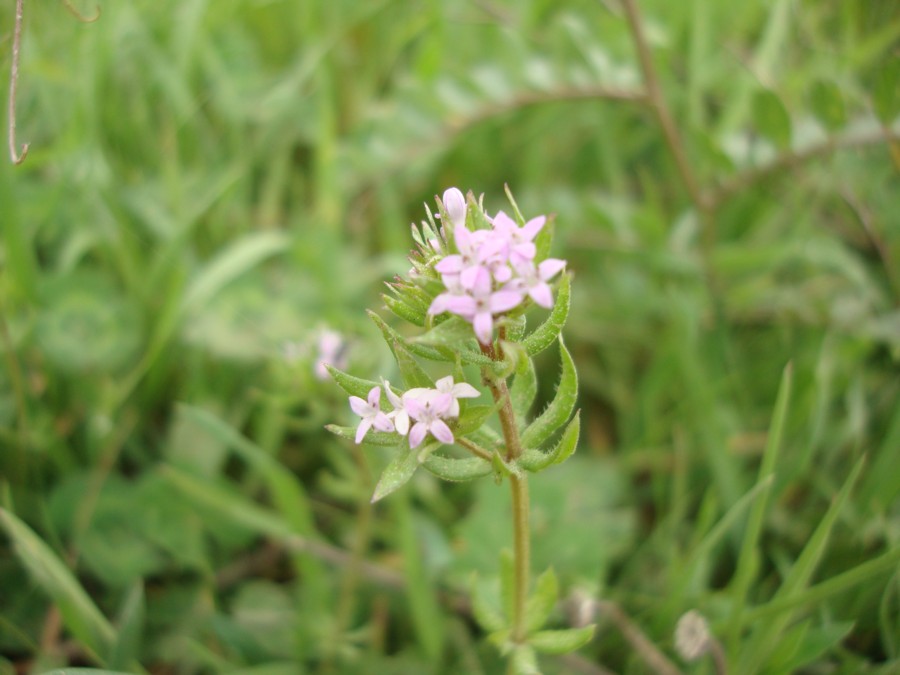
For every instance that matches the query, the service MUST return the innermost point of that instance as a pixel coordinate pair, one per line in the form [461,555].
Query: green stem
[521,554]
[518,483]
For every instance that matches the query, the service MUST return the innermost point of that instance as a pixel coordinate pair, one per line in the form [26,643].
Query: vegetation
[209,185]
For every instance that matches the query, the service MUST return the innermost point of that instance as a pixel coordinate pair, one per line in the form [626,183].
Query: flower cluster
[417,412]
[493,271]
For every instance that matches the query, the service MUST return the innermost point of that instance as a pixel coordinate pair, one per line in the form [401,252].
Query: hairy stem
[521,553]
[518,483]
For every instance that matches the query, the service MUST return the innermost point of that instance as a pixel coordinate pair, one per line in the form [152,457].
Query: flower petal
[374,398]
[464,390]
[532,227]
[361,430]
[417,434]
[541,294]
[550,268]
[441,432]
[483,323]
[358,406]
[505,300]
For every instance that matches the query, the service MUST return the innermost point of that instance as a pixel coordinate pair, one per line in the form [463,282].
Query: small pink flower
[521,239]
[370,412]
[428,409]
[533,280]
[458,390]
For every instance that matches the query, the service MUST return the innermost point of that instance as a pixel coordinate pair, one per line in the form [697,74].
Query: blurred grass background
[208,182]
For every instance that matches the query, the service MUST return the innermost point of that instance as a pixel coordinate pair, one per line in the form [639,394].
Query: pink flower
[370,412]
[533,280]
[521,239]
[481,305]
[427,409]
[457,391]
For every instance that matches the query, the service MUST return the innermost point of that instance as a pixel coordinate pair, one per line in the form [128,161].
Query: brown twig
[16,157]
[641,644]
[661,109]
[78,15]
[791,159]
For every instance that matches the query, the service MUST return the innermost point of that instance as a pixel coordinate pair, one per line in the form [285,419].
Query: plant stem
[521,553]
[518,483]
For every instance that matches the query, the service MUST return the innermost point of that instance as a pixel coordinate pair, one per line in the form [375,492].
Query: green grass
[210,180]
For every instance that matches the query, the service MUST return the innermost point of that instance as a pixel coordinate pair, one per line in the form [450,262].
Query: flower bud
[455,204]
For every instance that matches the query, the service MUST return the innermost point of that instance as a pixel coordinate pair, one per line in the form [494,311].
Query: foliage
[210,184]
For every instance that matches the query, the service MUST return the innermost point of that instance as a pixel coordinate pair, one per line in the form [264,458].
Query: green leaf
[827,103]
[397,473]
[560,408]
[534,460]
[404,311]
[412,372]
[241,256]
[79,613]
[485,605]
[523,389]
[757,649]
[747,559]
[523,661]
[228,504]
[126,650]
[542,601]
[285,488]
[457,470]
[544,240]
[544,335]
[561,641]
[421,592]
[355,386]
[391,336]
[771,118]
[473,418]
[886,91]
[453,332]
[381,438]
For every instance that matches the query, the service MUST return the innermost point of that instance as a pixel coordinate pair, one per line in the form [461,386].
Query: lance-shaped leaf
[412,372]
[355,386]
[372,437]
[125,651]
[557,412]
[457,470]
[561,641]
[535,460]
[544,335]
[523,389]
[403,310]
[542,601]
[397,473]
[523,661]
[423,351]
[544,240]
[78,611]
[452,332]
[473,418]
[452,337]
[485,605]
